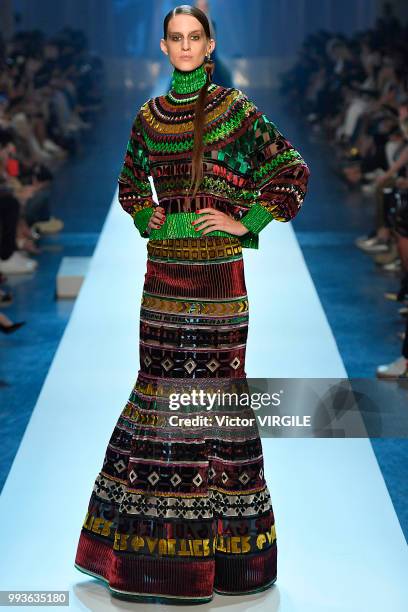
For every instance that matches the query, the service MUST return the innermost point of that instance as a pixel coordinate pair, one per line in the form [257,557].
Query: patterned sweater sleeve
[135,192]
[278,175]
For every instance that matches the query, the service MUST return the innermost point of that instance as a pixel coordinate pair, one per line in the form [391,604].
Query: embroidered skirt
[180,508]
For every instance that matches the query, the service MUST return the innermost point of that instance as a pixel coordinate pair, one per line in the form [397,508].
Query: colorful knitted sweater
[251,171]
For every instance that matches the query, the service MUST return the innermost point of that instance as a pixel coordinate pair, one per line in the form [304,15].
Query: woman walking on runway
[181,508]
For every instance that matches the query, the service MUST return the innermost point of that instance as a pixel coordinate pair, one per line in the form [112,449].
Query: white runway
[340,545]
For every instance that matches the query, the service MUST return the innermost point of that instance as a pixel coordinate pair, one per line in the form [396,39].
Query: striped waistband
[196,249]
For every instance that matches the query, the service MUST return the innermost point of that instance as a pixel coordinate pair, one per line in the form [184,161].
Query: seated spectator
[11,260]
[354,93]
[50,89]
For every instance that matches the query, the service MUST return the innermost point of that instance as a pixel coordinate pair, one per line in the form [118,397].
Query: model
[179,512]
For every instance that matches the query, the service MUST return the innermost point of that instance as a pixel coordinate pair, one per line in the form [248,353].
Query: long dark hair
[199,115]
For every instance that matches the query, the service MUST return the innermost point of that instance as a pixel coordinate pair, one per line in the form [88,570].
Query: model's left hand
[213,219]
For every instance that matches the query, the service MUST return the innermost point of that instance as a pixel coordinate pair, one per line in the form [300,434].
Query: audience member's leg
[12,261]
[9,213]
[37,207]
[383,230]
[402,242]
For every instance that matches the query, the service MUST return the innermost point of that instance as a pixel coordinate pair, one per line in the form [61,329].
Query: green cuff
[249,240]
[141,219]
[256,218]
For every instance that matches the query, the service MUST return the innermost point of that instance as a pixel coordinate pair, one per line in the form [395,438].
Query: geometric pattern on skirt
[178,513]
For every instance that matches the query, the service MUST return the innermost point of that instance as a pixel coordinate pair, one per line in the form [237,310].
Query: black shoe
[8,329]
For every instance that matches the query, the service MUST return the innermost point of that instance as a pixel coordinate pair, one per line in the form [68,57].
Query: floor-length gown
[183,511]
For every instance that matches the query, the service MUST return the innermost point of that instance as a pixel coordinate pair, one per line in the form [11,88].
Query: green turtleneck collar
[188,81]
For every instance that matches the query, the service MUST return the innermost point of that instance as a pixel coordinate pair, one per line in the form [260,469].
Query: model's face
[186,43]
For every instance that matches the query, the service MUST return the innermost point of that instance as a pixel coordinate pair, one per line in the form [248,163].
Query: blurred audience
[50,90]
[354,94]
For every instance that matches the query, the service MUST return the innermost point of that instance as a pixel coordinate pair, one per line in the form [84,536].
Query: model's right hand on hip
[158,218]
